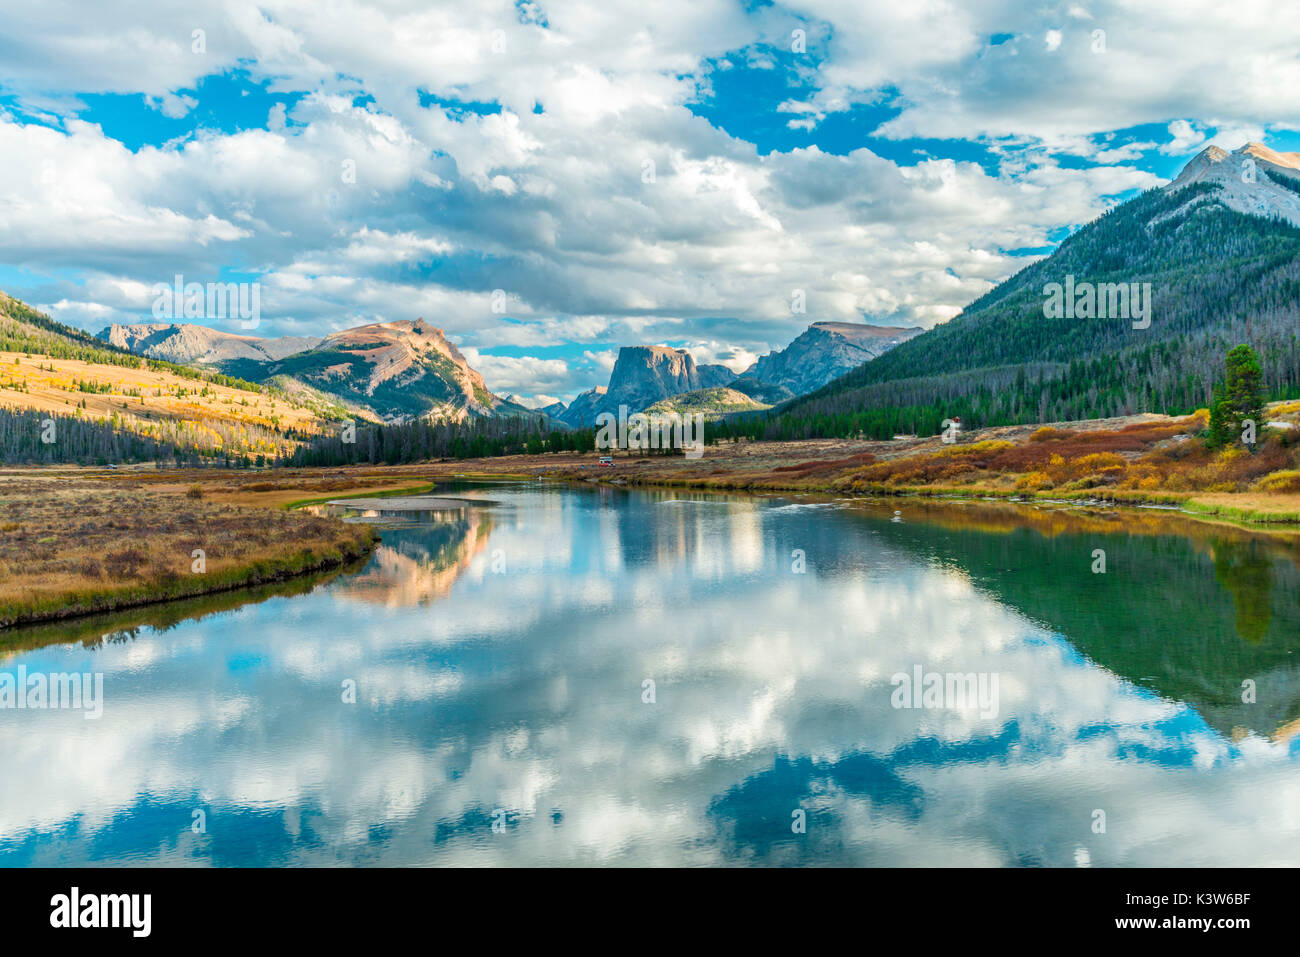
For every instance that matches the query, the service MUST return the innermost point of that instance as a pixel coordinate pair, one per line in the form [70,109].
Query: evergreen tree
[1239,399]
[1220,433]
[1245,387]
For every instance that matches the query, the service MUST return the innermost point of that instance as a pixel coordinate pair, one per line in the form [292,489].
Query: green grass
[407,490]
[1243,514]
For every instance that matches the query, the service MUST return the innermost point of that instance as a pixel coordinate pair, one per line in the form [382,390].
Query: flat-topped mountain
[645,374]
[642,376]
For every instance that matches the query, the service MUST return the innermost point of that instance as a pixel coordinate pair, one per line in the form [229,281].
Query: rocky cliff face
[401,368]
[642,376]
[1253,179]
[395,370]
[645,374]
[825,351]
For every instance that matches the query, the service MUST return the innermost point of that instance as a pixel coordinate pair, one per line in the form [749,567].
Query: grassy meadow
[75,544]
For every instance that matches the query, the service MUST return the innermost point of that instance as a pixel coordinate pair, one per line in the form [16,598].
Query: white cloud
[358,209]
[172,105]
[1185,138]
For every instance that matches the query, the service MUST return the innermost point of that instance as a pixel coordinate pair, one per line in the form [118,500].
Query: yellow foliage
[988,445]
[1287,480]
[1034,481]
[1096,461]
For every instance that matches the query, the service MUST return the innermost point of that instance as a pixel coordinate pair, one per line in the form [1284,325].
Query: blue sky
[615,173]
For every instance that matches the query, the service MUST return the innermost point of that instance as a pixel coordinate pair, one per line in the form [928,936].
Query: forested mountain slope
[1217,276]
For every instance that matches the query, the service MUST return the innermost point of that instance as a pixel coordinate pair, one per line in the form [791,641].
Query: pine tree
[1245,388]
[1220,433]
[1239,399]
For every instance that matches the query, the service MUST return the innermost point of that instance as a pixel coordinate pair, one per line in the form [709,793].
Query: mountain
[23,329]
[582,411]
[1253,179]
[555,410]
[642,376]
[645,374]
[187,343]
[713,402]
[825,351]
[386,370]
[112,406]
[1215,257]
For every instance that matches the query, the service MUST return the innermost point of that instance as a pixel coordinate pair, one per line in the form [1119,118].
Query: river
[550,675]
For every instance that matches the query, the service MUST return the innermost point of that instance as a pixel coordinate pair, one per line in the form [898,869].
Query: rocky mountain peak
[645,374]
[1252,179]
[825,351]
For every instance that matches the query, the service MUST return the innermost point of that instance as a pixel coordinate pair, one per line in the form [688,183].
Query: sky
[550,181]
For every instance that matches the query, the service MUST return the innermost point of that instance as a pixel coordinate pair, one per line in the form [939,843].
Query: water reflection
[501,655]
[420,565]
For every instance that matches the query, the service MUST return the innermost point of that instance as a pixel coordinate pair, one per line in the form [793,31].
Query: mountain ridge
[391,370]
[1219,275]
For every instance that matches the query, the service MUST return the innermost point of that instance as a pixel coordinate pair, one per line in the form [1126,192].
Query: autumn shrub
[126,563]
[1046,433]
[1286,480]
[1034,482]
[1096,461]
[815,466]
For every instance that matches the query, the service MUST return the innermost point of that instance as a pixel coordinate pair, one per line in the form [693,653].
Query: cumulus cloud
[428,158]
[1185,138]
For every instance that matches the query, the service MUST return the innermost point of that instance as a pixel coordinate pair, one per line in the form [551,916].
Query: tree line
[1219,278]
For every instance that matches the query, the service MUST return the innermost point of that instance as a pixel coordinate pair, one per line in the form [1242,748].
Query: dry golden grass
[73,545]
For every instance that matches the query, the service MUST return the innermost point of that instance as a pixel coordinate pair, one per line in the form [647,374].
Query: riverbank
[76,541]
[74,545]
[1151,460]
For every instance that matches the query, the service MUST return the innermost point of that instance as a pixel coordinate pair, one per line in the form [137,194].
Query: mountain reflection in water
[652,677]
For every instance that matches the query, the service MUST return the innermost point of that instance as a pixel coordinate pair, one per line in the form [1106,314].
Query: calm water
[501,656]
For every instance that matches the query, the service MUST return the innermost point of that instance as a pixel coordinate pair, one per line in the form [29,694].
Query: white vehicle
[606,461]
